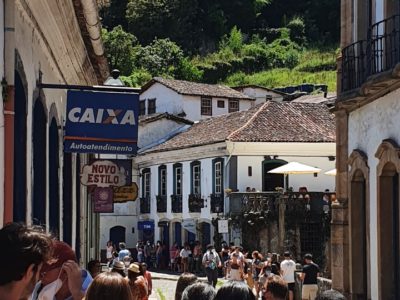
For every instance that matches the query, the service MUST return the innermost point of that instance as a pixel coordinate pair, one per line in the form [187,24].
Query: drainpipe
[2,138]
[90,11]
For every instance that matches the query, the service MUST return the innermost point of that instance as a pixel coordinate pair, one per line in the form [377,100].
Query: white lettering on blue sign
[101,116]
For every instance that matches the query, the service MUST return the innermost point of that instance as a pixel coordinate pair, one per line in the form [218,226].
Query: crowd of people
[39,267]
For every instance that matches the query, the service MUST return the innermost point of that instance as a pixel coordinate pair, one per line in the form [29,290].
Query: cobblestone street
[163,287]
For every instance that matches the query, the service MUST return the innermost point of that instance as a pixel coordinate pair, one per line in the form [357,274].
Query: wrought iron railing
[379,53]
[354,65]
[161,204]
[176,204]
[145,205]
[384,42]
[217,203]
[196,203]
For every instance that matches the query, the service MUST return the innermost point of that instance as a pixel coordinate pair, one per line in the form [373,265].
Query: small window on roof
[268,97]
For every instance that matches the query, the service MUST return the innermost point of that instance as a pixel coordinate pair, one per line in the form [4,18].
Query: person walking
[309,277]
[184,254]
[197,256]
[288,267]
[211,262]
[123,251]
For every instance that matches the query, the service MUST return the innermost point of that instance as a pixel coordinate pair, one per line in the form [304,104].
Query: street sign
[101,122]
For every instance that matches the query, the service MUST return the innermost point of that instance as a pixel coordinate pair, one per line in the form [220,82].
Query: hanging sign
[103,200]
[189,225]
[101,122]
[103,173]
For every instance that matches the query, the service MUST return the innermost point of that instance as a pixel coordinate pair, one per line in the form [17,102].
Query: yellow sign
[125,193]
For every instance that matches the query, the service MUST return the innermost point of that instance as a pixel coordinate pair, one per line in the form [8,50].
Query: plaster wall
[319,183]
[368,127]
[167,100]
[260,94]
[154,131]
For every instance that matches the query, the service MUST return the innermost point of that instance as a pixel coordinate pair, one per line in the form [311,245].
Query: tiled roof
[255,86]
[319,98]
[268,122]
[197,89]
[157,116]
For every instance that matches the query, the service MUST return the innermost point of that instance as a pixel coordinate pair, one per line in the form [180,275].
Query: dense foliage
[227,41]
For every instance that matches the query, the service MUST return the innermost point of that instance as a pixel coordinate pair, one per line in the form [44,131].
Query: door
[117,234]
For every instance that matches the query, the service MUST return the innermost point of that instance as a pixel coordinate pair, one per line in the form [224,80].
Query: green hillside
[267,42]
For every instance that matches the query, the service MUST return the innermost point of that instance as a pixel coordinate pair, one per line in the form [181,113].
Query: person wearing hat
[62,278]
[119,267]
[137,283]
[211,263]
[309,277]
[288,267]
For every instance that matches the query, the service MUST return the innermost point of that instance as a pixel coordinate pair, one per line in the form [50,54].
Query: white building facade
[183,180]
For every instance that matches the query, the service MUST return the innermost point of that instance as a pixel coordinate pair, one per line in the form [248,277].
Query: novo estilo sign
[101,122]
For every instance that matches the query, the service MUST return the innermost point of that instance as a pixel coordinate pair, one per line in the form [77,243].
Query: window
[178,179]
[146,182]
[249,171]
[142,107]
[220,103]
[162,177]
[206,108]
[196,177]
[152,106]
[233,105]
[218,175]
[268,97]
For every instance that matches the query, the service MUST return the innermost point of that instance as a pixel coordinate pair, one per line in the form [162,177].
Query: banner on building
[101,122]
[189,225]
[223,226]
[126,193]
[146,225]
[102,198]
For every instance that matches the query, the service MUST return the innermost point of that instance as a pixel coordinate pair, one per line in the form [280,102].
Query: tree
[112,13]
[161,57]
[119,46]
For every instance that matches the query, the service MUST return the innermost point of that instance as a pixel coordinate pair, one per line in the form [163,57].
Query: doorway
[272,181]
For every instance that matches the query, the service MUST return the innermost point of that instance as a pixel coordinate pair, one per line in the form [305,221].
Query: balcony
[161,204]
[373,60]
[196,203]
[217,203]
[176,201]
[145,205]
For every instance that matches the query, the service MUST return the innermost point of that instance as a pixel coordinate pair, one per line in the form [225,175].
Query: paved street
[164,286]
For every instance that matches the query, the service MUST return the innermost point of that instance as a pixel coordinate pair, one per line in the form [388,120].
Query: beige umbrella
[331,172]
[294,168]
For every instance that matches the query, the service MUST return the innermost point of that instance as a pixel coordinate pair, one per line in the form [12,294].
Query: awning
[146,225]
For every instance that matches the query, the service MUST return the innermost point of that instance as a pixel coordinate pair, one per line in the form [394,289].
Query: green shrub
[283,53]
[188,71]
[137,78]
[297,30]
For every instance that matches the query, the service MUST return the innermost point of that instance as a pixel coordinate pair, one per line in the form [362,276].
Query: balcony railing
[196,203]
[145,205]
[161,204]
[217,203]
[176,203]
[354,65]
[379,53]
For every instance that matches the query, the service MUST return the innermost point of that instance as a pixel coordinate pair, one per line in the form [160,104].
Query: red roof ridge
[249,121]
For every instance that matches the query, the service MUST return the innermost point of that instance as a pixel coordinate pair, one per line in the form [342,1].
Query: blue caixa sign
[101,122]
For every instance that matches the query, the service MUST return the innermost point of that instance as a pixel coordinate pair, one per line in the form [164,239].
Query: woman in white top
[110,250]
[184,254]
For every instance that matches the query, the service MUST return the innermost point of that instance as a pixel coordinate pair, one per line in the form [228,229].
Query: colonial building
[194,101]
[46,42]
[260,94]
[365,225]
[183,180]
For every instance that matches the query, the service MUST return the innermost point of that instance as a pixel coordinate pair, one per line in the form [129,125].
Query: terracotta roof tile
[268,122]
[197,89]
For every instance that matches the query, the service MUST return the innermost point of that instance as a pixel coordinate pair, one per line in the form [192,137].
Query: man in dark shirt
[309,277]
